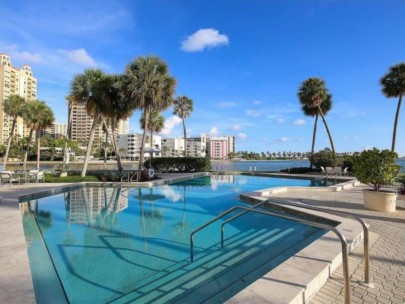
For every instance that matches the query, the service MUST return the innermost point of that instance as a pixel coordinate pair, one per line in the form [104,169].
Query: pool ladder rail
[341,237]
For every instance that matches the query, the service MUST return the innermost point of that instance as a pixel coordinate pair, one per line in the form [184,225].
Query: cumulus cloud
[204,38]
[300,122]
[253,113]
[27,57]
[170,123]
[226,104]
[79,56]
[213,132]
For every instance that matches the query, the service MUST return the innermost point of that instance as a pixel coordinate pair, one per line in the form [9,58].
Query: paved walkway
[387,252]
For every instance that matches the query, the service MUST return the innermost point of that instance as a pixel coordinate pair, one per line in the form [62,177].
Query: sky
[240,61]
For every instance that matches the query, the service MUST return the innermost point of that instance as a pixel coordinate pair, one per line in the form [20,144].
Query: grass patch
[49,178]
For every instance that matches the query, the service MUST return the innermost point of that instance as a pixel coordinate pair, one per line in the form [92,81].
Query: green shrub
[181,164]
[324,158]
[49,178]
[348,161]
[376,168]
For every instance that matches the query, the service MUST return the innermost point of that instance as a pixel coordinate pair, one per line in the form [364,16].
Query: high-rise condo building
[220,147]
[14,81]
[130,145]
[81,124]
[56,130]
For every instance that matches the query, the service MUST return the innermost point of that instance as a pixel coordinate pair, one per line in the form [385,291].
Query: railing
[338,213]
[288,217]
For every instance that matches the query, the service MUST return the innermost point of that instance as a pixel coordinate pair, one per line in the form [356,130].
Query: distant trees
[183,106]
[393,85]
[312,94]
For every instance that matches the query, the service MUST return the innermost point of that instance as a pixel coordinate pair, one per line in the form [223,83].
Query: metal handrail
[341,214]
[309,223]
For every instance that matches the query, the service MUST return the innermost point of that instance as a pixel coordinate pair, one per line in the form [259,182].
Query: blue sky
[240,61]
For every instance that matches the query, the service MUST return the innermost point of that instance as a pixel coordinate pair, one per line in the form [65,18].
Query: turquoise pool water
[132,245]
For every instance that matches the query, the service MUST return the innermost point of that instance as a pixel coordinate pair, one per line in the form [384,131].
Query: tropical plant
[149,86]
[155,125]
[323,158]
[13,107]
[393,85]
[90,88]
[183,106]
[376,168]
[37,115]
[312,93]
[313,111]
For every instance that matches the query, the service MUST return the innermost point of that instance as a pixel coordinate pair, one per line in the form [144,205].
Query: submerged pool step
[213,284]
[145,288]
[171,287]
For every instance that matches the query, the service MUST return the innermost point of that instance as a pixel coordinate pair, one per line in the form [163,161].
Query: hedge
[181,164]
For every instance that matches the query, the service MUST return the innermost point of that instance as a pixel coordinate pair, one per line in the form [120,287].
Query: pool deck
[387,250]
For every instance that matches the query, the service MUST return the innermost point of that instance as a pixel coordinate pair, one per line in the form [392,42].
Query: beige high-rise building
[14,81]
[56,130]
[81,124]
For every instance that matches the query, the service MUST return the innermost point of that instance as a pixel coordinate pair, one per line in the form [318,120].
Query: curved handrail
[341,214]
[276,202]
[314,224]
[299,220]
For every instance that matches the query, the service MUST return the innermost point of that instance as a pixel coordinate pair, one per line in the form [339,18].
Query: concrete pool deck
[387,252]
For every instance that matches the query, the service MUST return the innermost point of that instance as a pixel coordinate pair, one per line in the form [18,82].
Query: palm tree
[313,93]
[148,85]
[183,106]
[13,107]
[37,115]
[325,106]
[89,88]
[155,125]
[393,85]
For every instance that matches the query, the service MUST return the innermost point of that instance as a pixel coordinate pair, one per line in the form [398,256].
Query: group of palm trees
[316,101]
[146,85]
[36,115]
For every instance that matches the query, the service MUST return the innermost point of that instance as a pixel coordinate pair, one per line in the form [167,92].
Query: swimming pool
[132,245]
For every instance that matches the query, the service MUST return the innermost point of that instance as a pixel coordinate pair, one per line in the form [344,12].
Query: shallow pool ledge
[301,276]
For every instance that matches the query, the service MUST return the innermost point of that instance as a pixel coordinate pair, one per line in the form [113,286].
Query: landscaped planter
[380,200]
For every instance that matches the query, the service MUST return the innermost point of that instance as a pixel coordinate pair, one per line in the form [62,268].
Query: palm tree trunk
[105,151]
[115,145]
[90,144]
[141,156]
[185,137]
[10,138]
[394,135]
[26,151]
[38,148]
[313,139]
[327,129]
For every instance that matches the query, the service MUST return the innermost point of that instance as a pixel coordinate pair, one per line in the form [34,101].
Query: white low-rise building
[129,145]
[174,147]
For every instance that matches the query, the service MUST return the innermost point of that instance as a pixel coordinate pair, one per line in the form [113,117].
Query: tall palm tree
[155,125]
[312,93]
[89,88]
[37,115]
[393,85]
[183,106]
[325,106]
[148,85]
[13,107]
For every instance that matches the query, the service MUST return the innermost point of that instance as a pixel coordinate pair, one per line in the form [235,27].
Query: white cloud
[257,102]
[234,127]
[170,123]
[226,104]
[300,122]
[79,56]
[281,140]
[242,135]
[27,57]
[204,38]
[280,120]
[170,193]
[253,113]
[213,132]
